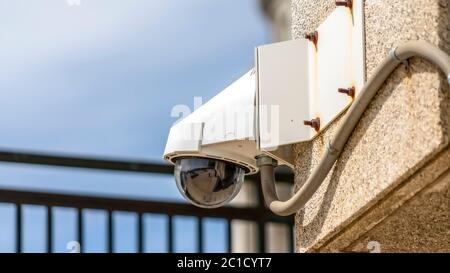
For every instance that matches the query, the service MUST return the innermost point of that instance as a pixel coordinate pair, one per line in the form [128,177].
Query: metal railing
[259,214]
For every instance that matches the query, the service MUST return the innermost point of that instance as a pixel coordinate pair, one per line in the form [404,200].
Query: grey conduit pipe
[266,164]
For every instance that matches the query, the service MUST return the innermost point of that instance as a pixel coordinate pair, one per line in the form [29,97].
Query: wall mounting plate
[302,79]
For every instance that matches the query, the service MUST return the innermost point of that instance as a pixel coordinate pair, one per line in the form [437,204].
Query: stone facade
[391,183]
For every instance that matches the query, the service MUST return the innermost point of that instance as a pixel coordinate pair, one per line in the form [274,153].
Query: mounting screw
[314,123]
[344,3]
[313,37]
[349,91]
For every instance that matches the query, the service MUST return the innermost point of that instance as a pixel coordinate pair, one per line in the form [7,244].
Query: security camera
[262,113]
[215,147]
[289,97]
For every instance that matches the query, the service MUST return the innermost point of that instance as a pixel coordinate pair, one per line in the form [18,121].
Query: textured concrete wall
[400,146]
[422,224]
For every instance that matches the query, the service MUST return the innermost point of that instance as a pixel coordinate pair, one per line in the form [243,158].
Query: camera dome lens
[208,183]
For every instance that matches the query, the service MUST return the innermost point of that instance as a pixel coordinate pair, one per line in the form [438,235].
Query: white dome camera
[215,147]
[263,113]
[208,183]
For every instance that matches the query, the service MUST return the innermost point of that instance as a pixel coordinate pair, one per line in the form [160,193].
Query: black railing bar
[80,238]
[229,237]
[200,235]
[18,228]
[107,164]
[291,240]
[170,231]
[262,237]
[110,231]
[84,162]
[138,206]
[49,230]
[140,233]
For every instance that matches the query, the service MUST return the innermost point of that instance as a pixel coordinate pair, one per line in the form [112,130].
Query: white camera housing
[222,129]
[215,147]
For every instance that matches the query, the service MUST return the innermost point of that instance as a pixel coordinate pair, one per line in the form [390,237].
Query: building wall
[278,12]
[399,148]
[422,224]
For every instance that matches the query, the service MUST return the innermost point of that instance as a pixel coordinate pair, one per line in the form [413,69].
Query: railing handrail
[138,206]
[84,162]
[47,159]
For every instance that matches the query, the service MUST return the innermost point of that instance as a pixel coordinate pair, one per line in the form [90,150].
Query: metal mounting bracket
[303,85]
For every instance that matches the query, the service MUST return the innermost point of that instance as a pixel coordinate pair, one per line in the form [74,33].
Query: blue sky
[100,79]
